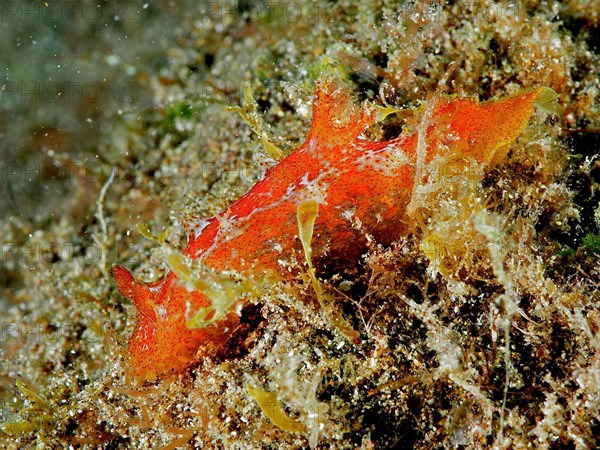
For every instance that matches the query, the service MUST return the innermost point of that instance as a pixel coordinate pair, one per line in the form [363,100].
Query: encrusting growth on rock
[351,179]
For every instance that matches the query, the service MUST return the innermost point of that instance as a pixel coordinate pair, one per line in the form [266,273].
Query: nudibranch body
[354,180]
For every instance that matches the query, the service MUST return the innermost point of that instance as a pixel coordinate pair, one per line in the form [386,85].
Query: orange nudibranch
[353,179]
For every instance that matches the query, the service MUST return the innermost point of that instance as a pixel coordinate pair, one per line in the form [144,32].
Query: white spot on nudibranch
[197,226]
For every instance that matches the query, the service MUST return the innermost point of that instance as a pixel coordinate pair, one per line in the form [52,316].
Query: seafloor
[115,114]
